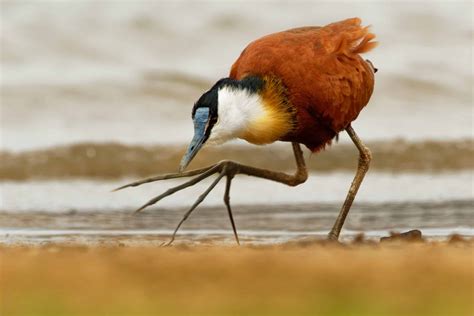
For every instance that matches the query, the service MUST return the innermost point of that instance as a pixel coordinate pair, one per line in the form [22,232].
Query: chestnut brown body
[326,80]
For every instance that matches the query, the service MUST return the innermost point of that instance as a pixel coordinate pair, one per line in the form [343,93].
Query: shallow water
[81,211]
[87,195]
[112,84]
[256,224]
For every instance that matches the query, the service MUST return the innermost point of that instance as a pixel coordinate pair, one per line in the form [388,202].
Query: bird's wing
[343,37]
[320,66]
[348,37]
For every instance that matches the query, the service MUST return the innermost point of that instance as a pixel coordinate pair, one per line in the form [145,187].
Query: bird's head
[253,109]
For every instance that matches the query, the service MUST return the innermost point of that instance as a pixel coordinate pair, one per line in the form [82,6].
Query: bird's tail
[349,37]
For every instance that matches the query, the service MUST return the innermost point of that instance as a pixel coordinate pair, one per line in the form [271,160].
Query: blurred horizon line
[113,160]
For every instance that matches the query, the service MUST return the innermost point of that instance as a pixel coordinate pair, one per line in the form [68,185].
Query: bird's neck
[259,114]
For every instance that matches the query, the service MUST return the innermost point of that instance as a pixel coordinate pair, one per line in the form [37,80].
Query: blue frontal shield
[201,118]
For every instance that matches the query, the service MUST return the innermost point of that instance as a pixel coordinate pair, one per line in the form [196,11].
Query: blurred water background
[97,93]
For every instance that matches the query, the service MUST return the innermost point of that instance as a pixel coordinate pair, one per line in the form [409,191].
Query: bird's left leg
[364,160]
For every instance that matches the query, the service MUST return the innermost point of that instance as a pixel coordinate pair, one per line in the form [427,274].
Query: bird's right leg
[232,169]
[228,169]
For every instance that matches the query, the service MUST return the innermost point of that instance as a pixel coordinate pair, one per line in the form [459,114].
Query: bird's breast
[277,118]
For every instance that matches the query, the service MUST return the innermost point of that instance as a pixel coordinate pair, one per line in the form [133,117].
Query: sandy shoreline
[291,279]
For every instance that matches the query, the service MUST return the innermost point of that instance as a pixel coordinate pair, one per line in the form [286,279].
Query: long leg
[230,169]
[227,204]
[235,168]
[298,177]
[364,160]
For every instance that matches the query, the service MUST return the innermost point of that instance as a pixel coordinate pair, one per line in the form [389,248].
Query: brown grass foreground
[315,279]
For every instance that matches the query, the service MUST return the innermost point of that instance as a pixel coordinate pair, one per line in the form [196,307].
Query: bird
[302,86]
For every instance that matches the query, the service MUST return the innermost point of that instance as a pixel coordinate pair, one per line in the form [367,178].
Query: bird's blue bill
[201,117]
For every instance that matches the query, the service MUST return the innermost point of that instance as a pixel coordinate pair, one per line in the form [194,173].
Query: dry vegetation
[294,279]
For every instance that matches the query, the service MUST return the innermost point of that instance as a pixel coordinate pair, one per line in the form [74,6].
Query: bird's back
[326,79]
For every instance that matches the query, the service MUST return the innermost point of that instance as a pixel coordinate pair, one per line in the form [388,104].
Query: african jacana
[303,86]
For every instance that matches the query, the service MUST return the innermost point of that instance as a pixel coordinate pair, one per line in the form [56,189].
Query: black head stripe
[253,84]
[207,100]
[210,99]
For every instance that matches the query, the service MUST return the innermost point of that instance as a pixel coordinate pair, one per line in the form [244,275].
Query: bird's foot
[333,236]
[228,169]
[223,168]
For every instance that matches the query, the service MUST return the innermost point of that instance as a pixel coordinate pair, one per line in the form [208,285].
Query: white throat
[237,109]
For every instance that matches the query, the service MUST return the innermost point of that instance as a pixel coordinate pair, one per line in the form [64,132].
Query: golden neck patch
[277,118]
